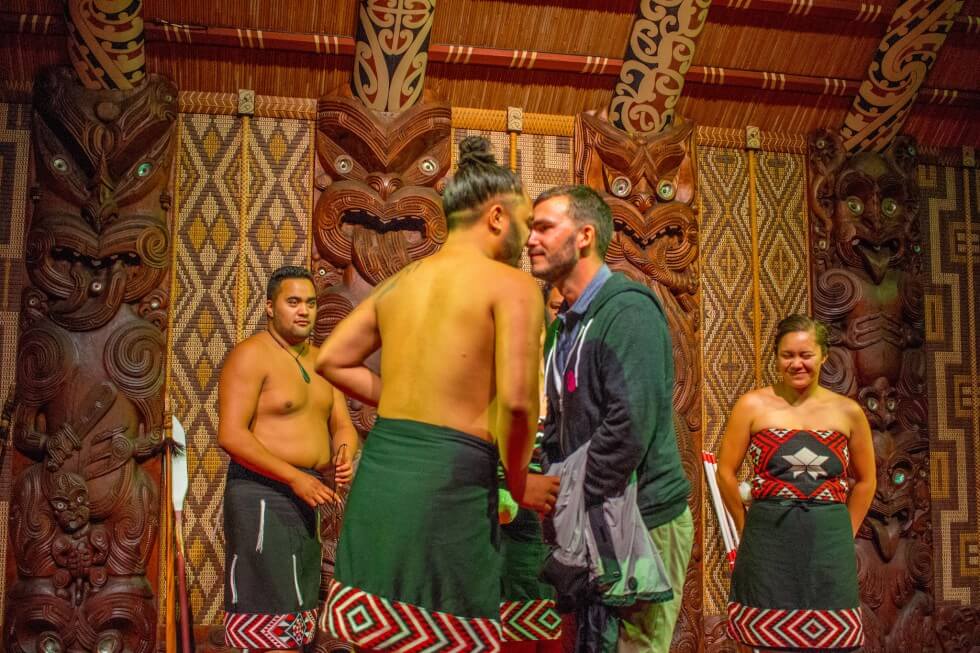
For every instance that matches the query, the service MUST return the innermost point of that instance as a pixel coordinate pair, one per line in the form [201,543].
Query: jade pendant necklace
[306,376]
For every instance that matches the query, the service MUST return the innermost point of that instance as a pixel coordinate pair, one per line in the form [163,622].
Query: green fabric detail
[507,505]
[796,556]
[421,523]
[523,551]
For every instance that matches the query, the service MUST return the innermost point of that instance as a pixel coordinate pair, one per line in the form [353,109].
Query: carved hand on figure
[60,446]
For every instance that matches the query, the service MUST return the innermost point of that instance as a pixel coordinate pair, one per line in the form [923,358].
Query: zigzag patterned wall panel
[728,344]
[278,207]
[544,161]
[950,205]
[207,205]
[15,153]
[783,287]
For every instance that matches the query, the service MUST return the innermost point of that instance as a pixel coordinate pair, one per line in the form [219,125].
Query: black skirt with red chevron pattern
[795,580]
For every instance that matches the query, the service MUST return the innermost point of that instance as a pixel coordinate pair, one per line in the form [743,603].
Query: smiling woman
[796,562]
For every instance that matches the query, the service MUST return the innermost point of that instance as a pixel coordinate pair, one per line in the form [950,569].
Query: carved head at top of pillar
[99,232]
[866,205]
[382,174]
[649,182]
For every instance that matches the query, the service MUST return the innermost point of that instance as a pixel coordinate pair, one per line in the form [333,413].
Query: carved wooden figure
[867,287]
[379,178]
[90,364]
[649,182]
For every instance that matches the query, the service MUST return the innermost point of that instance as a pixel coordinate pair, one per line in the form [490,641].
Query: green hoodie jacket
[616,391]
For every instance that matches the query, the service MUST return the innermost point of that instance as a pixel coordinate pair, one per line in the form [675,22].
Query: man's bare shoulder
[512,280]
[251,354]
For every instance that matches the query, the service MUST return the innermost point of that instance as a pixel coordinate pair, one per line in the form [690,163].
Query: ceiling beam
[466,55]
[391,52]
[106,48]
[658,55]
[916,33]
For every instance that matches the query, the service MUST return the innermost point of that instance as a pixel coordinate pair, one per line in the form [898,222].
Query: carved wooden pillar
[649,182]
[90,363]
[867,287]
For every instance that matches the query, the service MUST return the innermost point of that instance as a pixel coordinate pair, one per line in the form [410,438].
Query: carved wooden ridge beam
[464,55]
[907,52]
[391,52]
[658,55]
[105,43]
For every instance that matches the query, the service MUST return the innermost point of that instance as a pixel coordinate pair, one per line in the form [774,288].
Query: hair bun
[476,150]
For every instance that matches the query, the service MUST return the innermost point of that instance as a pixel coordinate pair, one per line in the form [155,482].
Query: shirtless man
[282,424]
[460,338]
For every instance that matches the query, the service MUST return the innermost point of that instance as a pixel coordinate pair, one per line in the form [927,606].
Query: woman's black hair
[799,322]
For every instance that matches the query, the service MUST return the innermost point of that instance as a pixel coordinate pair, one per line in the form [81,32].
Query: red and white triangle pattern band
[378,624]
[524,621]
[270,631]
[777,628]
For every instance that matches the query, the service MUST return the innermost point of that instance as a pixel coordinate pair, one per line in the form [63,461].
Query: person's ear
[496,219]
[586,237]
[268,308]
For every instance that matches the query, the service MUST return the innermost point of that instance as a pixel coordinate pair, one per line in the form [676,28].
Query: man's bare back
[438,320]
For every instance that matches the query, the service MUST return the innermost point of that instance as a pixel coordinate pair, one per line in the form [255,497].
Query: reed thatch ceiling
[757,40]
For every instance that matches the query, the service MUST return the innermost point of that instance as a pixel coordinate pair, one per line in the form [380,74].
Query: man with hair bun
[417,563]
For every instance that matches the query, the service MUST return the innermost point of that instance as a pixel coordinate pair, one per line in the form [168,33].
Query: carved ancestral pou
[649,182]
[867,287]
[90,363]
[380,176]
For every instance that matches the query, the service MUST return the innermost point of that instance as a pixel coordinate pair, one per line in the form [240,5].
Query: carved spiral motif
[134,359]
[46,359]
[392,52]
[835,294]
[661,48]
[153,246]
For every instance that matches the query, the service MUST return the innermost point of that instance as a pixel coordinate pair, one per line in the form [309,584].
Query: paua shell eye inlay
[343,164]
[666,190]
[889,207]
[621,187]
[855,205]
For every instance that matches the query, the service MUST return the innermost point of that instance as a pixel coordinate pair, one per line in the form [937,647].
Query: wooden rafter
[465,55]
[908,50]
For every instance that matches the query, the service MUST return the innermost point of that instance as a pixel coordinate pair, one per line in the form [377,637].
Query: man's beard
[513,247]
[561,263]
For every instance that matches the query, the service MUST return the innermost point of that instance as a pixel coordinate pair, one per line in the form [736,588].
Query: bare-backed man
[460,331]
[282,425]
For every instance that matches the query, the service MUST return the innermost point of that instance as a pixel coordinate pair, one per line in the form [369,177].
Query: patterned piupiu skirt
[272,563]
[795,580]
[527,608]
[418,563]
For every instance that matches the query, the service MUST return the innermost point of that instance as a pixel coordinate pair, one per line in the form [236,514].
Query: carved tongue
[876,260]
[887,536]
[377,256]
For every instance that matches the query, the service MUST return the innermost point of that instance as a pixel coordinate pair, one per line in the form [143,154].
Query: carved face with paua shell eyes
[648,181]
[382,173]
[873,204]
[99,235]
[69,500]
